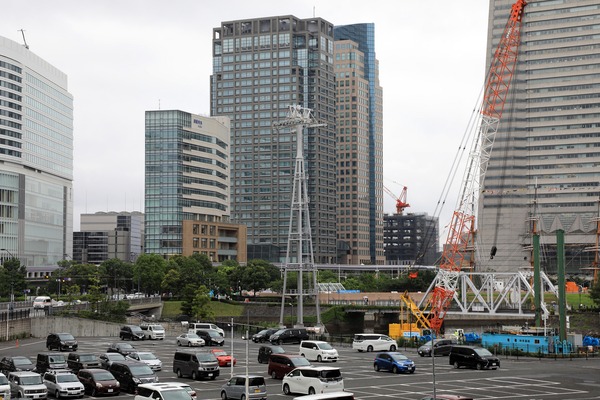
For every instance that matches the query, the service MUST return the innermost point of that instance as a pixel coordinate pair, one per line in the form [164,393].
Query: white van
[313,380]
[153,331]
[42,301]
[373,342]
[316,350]
[194,326]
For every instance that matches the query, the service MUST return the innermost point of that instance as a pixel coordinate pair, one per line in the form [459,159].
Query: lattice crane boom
[401,203]
[457,253]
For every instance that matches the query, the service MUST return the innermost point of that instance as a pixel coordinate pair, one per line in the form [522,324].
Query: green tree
[148,272]
[118,274]
[200,305]
[13,277]
[594,293]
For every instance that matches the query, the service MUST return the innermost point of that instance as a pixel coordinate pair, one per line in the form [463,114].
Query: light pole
[232,348]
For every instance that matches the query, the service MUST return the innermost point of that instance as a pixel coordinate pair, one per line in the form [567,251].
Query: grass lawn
[171,309]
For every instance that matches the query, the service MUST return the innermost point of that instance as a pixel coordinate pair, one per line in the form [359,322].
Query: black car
[120,347]
[61,342]
[131,332]
[266,350]
[211,337]
[15,363]
[77,361]
[263,336]
[132,373]
[289,335]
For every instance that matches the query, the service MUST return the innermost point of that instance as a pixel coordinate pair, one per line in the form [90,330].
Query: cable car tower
[299,254]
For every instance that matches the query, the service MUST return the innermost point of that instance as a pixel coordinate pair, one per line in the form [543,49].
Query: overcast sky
[128,56]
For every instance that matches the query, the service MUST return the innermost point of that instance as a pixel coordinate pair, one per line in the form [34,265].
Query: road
[523,378]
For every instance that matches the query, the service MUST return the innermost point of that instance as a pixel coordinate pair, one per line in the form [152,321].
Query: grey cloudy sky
[124,57]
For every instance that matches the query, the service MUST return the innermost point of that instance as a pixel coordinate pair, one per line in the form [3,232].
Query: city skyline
[124,61]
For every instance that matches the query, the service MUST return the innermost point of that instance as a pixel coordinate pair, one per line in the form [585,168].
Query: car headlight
[98,385]
[137,380]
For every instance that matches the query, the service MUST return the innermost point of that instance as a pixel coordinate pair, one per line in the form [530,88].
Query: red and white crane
[401,203]
[459,245]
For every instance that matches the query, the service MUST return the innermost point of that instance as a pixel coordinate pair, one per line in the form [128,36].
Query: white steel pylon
[299,254]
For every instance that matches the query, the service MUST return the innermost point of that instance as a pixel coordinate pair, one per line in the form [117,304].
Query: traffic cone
[17,344]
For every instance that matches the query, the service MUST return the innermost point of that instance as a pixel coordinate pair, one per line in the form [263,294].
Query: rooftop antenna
[314,11]
[24,41]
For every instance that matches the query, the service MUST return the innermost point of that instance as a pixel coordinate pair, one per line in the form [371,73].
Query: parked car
[15,363]
[195,364]
[160,391]
[153,331]
[282,364]
[194,326]
[394,362]
[147,358]
[108,358]
[120,347]
[27,384]
[288,335]
[263,336]
[224,359]
[265,351]
[131,332]
[63,383]
[190,340]
[317,350]
[235,388]
[61,342]
[4,387]
[98,382]
[373,342]
[77,361]
[190,390]
[312,380]
[132,373]
[50,360]
[441,347]
[211,337]
[328,396]
[473,357]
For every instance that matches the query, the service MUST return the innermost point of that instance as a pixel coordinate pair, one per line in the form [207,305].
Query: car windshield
[31,380]
[483,352]
[87,357]
[3,380]
[325,346]
[205,357]
[279,332]
[277,350]
[66,336]
[300,361]
[147,356]
[115,357]
[103,376]
[140,369]
[175,394]
[263,332]
[63,378]
[214,333]
[125,346]
[21,361]
[136,329]
[399,357]
[57,358]
[191,336]
[220,353]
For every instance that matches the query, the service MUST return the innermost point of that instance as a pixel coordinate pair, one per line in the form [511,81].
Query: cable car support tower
[299,254]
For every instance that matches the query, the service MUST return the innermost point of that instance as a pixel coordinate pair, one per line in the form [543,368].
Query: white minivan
[42,302]
[316,350]
[194,326]
[373,342]
[313,380]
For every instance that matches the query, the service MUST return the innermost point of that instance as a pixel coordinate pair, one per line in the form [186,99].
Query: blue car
[393,361]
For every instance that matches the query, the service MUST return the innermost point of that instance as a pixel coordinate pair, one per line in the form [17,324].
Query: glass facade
[36,150]
[187,176]
[260,68]
[545,170]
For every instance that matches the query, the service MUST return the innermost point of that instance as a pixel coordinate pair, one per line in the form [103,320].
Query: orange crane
[461,236]
[401,203]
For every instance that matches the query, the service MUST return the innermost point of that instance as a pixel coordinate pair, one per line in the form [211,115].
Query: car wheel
[189,344]
[412,371]
[479,366]
[456,366]
[360,351]
[319,359]
[311,390]
[243,397]
[286,389]
[393,348]
[280,342]
[179,375]
[94,392]
[369,349]
[395,370]
[274,375]
[57,394]
[223,395]
[222,343]
[194,375]
[376,367]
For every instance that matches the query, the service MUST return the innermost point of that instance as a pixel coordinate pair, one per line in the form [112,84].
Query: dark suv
[132,373]
[289,335]
[61,342]
[47,361]
[77,361]
[131,332]
[473,357]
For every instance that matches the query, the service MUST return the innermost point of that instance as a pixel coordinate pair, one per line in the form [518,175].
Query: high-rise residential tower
[359,145]
[36,158]
[187,177]
[260,67]
[544,172]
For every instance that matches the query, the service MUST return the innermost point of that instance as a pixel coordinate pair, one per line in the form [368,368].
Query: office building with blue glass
[36,158]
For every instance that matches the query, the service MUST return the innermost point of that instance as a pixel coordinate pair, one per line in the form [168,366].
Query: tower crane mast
[457,252]
[401,203]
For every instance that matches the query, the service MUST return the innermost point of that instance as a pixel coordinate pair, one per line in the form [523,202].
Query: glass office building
[544,174]
[187,176]
[36,158]
[260,67]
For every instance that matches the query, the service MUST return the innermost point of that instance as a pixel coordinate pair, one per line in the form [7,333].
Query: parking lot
[523,378]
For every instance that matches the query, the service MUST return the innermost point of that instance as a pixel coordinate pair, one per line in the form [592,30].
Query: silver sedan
[190,339]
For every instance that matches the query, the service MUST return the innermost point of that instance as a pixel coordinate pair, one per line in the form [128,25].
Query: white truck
[153,331]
